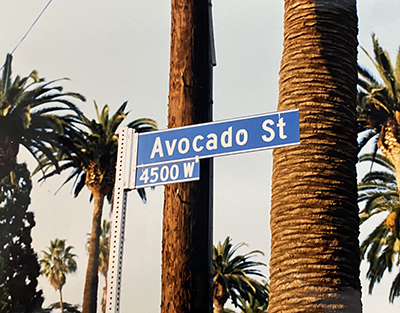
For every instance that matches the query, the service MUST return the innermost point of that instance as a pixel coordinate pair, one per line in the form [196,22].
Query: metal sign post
[128,177]
[126,152]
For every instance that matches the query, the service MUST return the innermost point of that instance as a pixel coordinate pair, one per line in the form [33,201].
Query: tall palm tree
[56,263]
[28,117]
[89,150]
[314,265]
[378,191]
[232,276]
[379,104]
[104,251]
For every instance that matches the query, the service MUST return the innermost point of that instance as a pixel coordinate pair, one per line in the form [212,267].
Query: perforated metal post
[124,181]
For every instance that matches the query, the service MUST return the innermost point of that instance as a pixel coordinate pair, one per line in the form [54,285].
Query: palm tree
[231,276]
[314,265]
[379,104]
[252,305]
[89,149]
[104,251]
[27,116]
[378,190]
[56,263]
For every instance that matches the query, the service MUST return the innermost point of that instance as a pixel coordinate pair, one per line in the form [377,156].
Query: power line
[30,28]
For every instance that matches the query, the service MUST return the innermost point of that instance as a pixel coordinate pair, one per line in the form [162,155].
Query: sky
[117,51]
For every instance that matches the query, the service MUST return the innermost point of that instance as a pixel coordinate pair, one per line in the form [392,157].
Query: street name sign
[258,132]
[172,155]
[167,173]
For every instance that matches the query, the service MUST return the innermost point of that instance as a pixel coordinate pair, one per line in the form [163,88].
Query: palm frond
[56,262]
[26,102]
[379,193]
[233,272]
[377,101]
[395,288]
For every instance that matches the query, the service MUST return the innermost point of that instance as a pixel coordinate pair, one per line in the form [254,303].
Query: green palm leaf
[379,194]
[232,274]
[56,262]
[378,101]
[28,116]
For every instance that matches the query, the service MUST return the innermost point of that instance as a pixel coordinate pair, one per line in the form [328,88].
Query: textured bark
[104,298]
[390,146]
[314,264]
[187,239]
[61,301]
[92,278]
[218,308]
[220,297]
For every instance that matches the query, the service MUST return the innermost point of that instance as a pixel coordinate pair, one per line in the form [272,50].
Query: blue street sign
[259,132]
[169,173]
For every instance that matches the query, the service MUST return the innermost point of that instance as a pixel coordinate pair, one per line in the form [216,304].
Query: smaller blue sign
[168,173]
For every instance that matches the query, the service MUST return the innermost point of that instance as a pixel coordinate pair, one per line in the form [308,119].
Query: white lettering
[188,169]
[213,142]
[268,129]
[195,147]
[157,148]
[226,138]
[170,148]
[280,125]
[174,172]
[164,173]
[241,132]
[145,175]
[180,145]
[154,172]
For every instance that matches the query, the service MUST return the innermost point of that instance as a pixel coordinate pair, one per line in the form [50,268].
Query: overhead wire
[30,28]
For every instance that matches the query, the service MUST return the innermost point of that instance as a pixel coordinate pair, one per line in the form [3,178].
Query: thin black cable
[30,28]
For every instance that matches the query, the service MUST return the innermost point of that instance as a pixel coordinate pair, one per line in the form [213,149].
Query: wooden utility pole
[188,214]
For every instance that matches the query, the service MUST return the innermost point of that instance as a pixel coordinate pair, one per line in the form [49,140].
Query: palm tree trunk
[104,297]
[314,265]
[187,217]
[61,301]
[220,297]
[218,308]
[390,147]
[92,278]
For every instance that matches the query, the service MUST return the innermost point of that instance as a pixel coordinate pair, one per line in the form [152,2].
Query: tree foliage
[378,103]
[381,249]
[31,115]
[252,305]
[57,262]
[89,150]
[19,266]
[233,276]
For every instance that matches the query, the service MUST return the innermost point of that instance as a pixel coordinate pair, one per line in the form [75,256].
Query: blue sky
[117,51]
